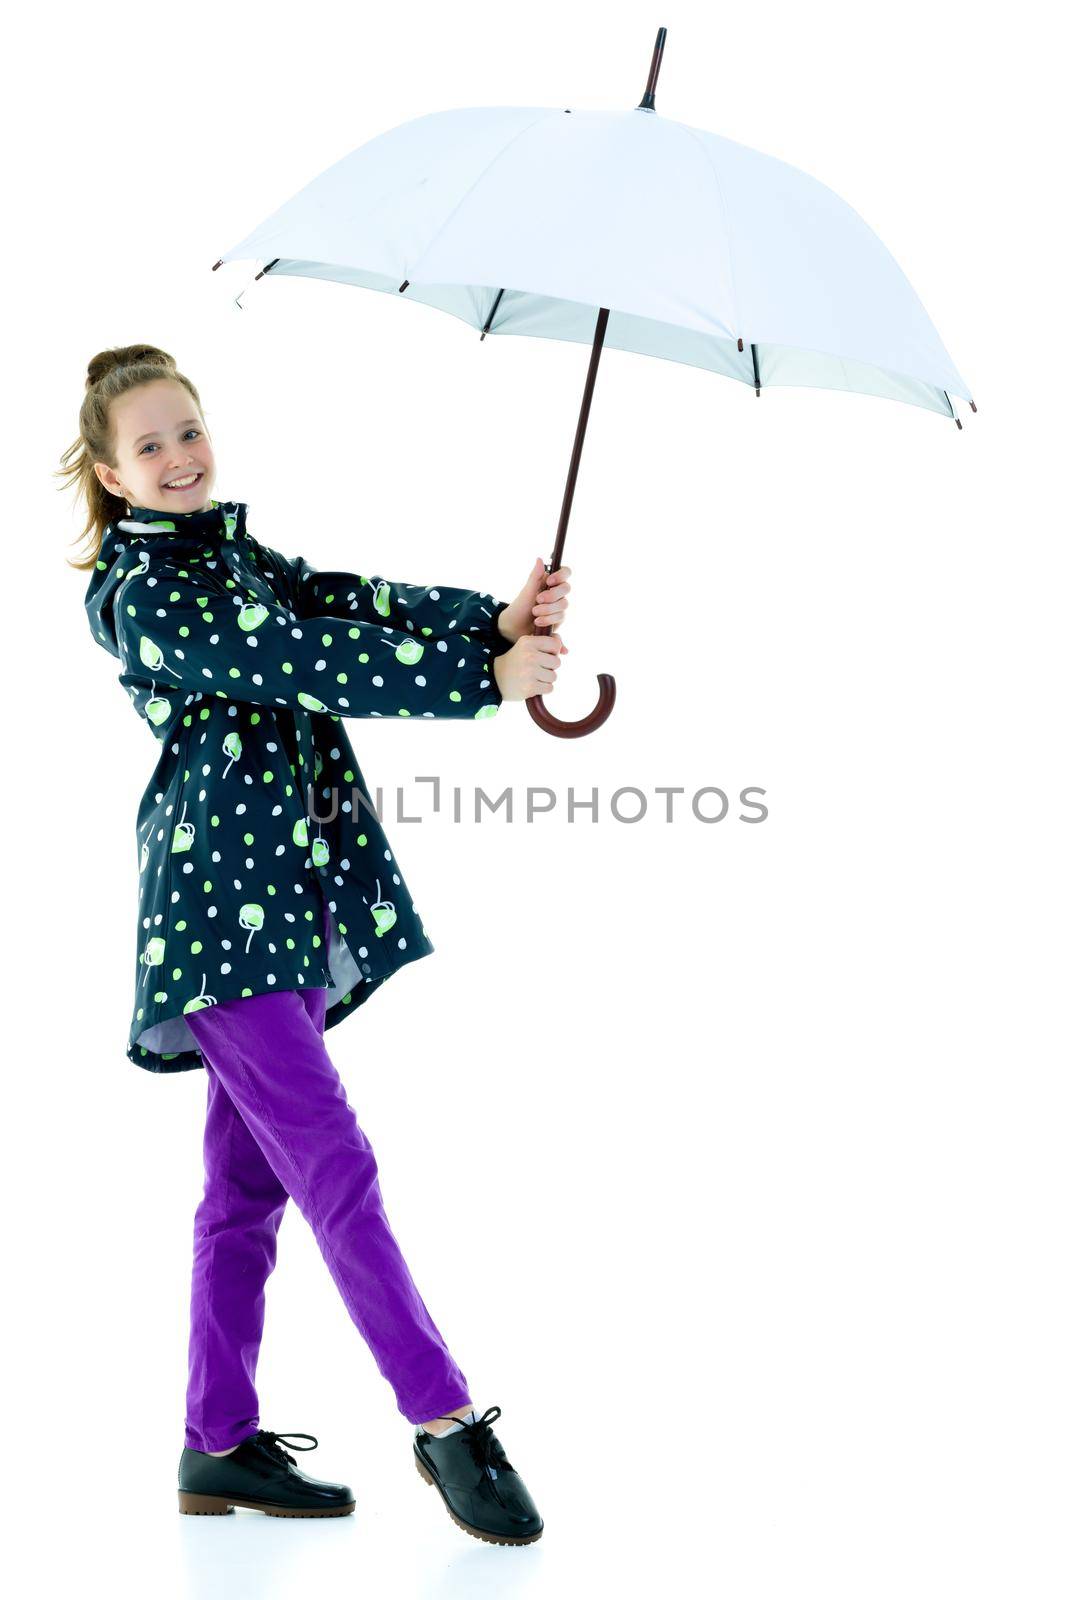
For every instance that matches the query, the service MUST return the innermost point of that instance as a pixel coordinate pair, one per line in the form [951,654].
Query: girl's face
[159,439]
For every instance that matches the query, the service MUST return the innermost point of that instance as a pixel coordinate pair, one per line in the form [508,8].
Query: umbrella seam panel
[471,187]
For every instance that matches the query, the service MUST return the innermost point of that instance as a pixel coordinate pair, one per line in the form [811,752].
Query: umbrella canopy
[526,220]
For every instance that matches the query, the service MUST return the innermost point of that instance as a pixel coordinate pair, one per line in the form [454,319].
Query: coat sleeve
[176,630]
[427,611]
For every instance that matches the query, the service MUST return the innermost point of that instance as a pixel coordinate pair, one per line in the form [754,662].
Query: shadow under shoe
[481,1489]
[261,1475]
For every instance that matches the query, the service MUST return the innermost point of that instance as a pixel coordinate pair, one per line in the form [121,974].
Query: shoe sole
[477,1533]
[212,1505]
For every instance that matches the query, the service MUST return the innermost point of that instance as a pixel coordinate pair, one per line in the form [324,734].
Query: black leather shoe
[261,1475]
[483,1492]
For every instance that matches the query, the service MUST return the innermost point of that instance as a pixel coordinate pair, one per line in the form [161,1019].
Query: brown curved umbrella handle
[605,704]
[587,724]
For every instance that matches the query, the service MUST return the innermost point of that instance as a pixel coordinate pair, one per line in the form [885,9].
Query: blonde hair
[110,373]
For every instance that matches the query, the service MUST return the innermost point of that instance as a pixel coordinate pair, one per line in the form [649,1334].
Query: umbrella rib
[492,313]
[722,209]
[466,196]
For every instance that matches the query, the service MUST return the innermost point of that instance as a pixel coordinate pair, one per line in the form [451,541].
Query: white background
[728,1158]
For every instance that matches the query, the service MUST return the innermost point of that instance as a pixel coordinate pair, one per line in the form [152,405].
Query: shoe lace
[484,1446]
[269,1441]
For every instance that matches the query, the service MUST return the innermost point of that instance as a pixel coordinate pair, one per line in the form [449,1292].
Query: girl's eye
[150,446]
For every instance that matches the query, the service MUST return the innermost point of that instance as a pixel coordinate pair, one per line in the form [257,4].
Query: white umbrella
[624,229]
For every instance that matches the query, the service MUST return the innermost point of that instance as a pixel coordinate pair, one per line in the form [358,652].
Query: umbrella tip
[217,265]
[959,424]
[405,285]
[973,406]
[649,101]
[740,344]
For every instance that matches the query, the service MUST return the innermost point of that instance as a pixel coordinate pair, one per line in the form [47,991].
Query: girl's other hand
[540,602]
[529,667]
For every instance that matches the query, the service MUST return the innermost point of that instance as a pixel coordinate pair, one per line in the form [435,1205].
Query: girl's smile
[184,484]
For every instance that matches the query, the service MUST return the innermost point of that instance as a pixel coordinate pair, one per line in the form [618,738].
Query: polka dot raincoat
[243,663]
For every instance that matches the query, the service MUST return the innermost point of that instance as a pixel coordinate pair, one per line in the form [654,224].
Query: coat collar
[222,520]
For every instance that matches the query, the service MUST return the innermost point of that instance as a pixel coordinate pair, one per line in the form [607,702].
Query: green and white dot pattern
[243,664]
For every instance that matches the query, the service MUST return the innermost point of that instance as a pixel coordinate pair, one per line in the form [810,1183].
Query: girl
[271,908]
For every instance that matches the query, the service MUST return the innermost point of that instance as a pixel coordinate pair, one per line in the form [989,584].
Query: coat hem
[188,1060]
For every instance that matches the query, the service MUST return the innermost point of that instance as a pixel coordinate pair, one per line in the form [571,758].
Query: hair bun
[128,355]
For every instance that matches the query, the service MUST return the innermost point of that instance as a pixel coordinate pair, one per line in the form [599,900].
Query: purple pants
[278,1125]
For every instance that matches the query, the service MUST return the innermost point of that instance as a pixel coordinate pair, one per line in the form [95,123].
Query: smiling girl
[269,912]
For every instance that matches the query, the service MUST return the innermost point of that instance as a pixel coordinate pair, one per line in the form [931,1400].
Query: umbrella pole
[603,708]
